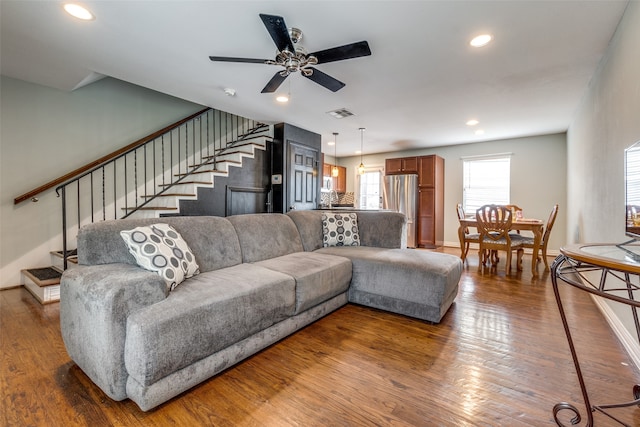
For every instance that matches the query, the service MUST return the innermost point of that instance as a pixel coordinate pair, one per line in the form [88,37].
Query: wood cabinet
[400,166]
[326,169]
[339,182]
[430,201]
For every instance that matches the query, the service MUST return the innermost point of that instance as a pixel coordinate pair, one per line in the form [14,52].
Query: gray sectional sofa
[261,277]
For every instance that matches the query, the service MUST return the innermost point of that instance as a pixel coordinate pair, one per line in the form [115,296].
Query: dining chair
[494,223]
[527,242]
[466,238]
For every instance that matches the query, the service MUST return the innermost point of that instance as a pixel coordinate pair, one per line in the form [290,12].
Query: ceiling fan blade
[274,83]
[228,59]
[348,51]
[278,31]
[325,80]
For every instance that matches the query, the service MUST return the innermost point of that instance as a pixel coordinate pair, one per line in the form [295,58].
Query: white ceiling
[417,89]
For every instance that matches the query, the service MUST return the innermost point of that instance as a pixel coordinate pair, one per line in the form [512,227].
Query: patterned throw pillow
[160,248]
[340,229]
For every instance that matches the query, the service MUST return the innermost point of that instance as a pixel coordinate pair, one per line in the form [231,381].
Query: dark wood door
[303,185]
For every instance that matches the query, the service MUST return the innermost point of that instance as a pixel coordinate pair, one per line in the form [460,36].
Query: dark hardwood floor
[498,358]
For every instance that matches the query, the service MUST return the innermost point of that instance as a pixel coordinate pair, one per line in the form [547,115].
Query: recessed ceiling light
[479,132]
[472,122]
[78,11]
[331,143]
[481,40]
[229,91]
[282,98]
[358,152]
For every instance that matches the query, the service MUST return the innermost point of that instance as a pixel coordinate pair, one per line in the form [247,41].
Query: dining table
[520,224]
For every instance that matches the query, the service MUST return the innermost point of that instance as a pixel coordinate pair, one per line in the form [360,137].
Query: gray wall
[607,122]
[45,133]
[538,177]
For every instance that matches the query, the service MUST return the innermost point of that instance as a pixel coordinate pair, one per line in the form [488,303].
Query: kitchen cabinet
[339,182]
[430,201]
[326,169]
[400,166]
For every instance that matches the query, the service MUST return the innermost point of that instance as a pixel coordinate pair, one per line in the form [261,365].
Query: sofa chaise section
[386,275]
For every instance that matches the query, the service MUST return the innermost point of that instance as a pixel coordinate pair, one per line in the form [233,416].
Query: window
[486,181]
[369,190]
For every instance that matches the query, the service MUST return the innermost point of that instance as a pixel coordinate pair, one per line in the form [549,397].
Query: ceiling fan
[293,57]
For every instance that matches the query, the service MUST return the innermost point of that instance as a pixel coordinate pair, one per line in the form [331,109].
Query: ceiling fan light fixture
[293,56]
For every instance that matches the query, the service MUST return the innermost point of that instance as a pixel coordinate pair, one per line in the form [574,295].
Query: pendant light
[361,167]
[334,171]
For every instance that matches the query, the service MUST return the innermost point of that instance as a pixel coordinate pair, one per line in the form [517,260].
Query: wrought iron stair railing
[132,180]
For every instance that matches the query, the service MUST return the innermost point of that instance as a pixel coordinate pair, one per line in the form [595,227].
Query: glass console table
[617,269]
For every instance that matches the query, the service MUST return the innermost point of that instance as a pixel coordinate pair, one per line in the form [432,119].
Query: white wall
[45,133]
[607,122]
[538,177]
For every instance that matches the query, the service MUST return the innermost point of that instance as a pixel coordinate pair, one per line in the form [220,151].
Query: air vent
[340,113]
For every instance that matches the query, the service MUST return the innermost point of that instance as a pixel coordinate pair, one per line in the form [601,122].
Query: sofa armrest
[95,302]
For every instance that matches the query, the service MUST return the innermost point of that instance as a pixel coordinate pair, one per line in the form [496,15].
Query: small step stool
[43,283]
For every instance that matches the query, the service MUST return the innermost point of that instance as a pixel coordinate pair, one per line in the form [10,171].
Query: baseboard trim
[629,342]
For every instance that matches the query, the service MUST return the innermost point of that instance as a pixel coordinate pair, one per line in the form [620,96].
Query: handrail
[31,194]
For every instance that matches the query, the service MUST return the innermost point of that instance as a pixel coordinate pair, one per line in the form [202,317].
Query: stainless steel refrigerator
[400,194]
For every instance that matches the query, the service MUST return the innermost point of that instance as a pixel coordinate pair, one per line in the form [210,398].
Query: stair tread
[152,208]
[219,161]
[186,182]
[203,171]
[169,195]
[239,144]
[228,153]
[72,255]
[43,276]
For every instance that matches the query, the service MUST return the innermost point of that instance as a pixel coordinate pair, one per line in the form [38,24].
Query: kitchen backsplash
[347,198]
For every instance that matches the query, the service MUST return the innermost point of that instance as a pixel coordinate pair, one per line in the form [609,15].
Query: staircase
[167,201]
[148,179]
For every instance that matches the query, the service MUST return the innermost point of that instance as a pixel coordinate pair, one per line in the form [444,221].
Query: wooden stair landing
[43,283]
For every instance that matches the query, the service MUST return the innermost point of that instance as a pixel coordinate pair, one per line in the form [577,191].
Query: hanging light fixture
[335,172]
[361,167]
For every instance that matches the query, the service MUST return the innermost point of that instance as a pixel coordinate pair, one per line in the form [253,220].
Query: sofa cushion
[318,276]
[213,241]
[161,249]
[205,314]
[340,229]
[265,236]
